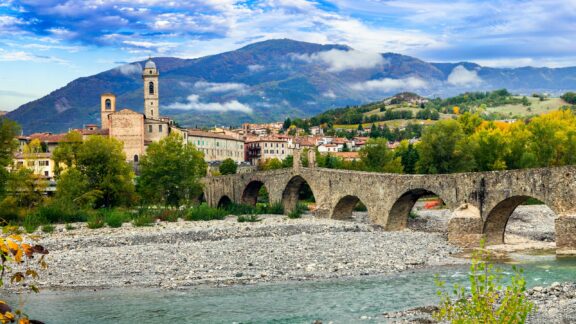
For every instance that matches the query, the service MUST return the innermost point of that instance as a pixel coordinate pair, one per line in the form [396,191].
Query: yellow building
[217,147]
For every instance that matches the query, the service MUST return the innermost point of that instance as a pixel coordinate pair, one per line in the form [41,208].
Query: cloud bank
[389,85]
[214,87]
[461,77]
[130,69]
[340,60]
[193,103]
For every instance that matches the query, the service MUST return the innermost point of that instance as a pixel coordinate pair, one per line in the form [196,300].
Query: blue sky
[44,44]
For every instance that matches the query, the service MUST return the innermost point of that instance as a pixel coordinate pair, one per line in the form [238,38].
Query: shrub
[360,207]
[203,212]
[170,215]
[145,219]
[32,222]
[489,301]
[115,218]
[275,208]
[412,215]
[69,227]
[294,214]
[95,220]
[48,228]
[249,218]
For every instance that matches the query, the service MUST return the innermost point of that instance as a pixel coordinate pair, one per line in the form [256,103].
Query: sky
[44,44]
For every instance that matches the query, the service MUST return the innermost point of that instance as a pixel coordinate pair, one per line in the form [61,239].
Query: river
[341,301]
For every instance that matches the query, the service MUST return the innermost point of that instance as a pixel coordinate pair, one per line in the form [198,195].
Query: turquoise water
[341,301]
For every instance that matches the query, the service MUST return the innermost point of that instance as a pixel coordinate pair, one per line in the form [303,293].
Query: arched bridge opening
[255,192]
[512,219]
[346,206]
[297,190]
[224,202]
[403,207]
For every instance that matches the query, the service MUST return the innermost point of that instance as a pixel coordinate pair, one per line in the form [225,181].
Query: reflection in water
[342,301]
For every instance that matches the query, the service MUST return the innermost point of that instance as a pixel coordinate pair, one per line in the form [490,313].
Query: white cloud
[339,60]
[461,77]
[193,103]
[388,85]
[219,87]
[130,69]
[255,68]
[329,94]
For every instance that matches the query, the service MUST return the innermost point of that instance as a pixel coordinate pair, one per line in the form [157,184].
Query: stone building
[217,147]
[134,129]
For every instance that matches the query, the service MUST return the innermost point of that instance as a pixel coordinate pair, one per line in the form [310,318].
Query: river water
[341,301]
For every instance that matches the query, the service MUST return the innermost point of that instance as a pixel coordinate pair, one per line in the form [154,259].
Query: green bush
[275,208]
[300,209]
[32,222]
[58,212]
[95,220]
[48,228]
[69,227]
[114,218]
[294,214]
[170,215]
[203,212]
[360,207]
[143,220]
[489,300]
[248,218]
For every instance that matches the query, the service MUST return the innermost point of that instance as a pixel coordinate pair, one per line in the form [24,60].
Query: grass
[205,213]
[249,218]
[537,107]
[32,222]
[146,219]
[95,220]
[115,218]
[300,209]
[69,227]
[48,228]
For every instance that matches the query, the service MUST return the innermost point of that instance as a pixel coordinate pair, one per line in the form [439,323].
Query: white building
[217,147]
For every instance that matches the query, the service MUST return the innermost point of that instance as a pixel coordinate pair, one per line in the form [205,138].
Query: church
[134,129]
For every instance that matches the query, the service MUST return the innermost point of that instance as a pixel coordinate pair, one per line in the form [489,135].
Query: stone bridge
[481,202]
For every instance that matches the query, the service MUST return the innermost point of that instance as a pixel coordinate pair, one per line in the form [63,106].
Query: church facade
[137,130]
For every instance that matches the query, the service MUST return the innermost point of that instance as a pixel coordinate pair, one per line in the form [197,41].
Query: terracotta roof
[346,155]
[199,133]
[47,137]
[94,132]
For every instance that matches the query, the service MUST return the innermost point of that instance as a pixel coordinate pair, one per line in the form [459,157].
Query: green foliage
[569,97]
[253,218]
[408,156]
[69,227]
[95,220]
[57,211]
[32,222]
[170,172]
[270,164]
[8,144]
[228,166]
[144,219]
[102,177]
[300,209]
[444,149]
[114,218]
[412,215]
[375,156]
[203,212]
[275,208]
[489,300]
[48,228]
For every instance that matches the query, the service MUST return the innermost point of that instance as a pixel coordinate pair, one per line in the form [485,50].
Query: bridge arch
[400,211]
[291,192]
[497,219]
[224,201]
[250,193]
[345,206]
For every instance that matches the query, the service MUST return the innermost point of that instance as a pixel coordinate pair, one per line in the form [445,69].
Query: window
[159,128]
[108,104]
[43,163]
[30,163]
[151,88]
[149,128]
[282,145]
[151,112]
[46,173]
[136,158]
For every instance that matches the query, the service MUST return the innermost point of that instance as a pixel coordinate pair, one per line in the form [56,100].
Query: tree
[490,147]
[101,163]
[170,172]
[8,144]
[228,166]
[444,149]
[287,124]
[360,127]
[408,156]
[288,162]
[65,154]
[569,97]
[270,164]
[375,156]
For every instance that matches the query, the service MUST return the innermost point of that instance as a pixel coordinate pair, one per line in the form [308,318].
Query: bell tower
[151,96]
[107,106]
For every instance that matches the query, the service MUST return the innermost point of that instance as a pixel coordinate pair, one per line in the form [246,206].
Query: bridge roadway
[481,202]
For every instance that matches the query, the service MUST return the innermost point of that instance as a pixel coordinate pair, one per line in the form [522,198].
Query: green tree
[228,166]
[444,148]
[360,127]
[271,164]
[408,156]
[470,122]
[375,156]
[288,162]
[8,144]
[490,148]
[287,124]
[170,172]
[65,154]
[102,164]
[569,97]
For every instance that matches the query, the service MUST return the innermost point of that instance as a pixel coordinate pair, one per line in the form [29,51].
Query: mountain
[275,79]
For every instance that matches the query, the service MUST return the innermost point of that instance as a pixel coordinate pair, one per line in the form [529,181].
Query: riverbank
[182,254]
[553,304]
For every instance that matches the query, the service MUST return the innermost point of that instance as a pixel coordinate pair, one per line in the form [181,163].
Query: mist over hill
[275,79]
